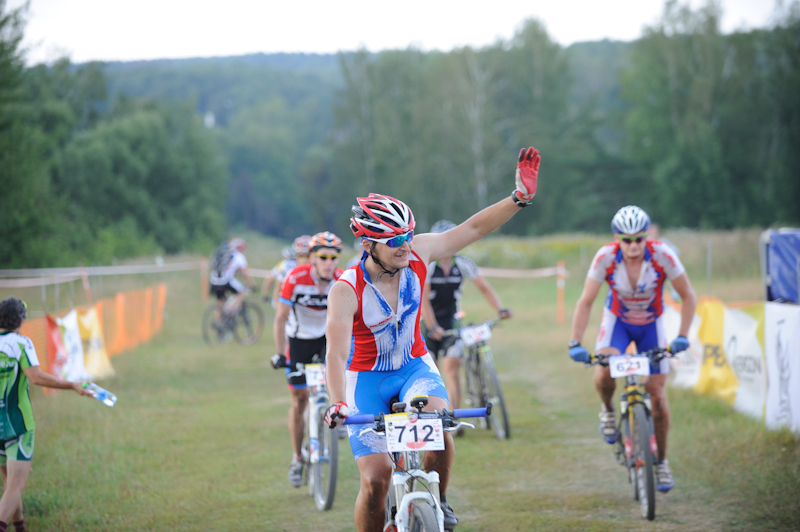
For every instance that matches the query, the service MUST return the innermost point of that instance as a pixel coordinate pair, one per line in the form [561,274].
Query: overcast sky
[150,29]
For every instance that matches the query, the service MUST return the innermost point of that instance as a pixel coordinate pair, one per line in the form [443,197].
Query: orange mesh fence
[132,318]
[36,330]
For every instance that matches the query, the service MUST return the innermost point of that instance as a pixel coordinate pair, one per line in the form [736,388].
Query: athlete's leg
[376,476]
[656,387]
[452,367]
[15,476]
[297,422]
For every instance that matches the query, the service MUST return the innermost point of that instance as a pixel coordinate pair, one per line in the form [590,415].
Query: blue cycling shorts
[616,333]
[369,392]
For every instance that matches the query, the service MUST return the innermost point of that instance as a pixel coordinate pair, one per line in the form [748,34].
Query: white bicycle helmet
[630,220]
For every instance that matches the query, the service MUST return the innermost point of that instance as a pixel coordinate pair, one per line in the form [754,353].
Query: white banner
[73,369]
[745,357]
[782,339]
[687,364]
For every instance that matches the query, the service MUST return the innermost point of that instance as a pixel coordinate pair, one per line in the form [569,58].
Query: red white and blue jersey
[382,339]
[643,303]
[309,305]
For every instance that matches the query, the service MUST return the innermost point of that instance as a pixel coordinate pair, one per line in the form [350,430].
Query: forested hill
[700,128]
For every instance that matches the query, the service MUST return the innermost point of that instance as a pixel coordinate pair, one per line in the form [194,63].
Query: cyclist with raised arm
[440,305]
[297,255]
[223,279]
[375,347]
[635,269]
[301,318]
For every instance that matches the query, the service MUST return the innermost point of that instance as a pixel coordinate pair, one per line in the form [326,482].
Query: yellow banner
[95,357]
[716,376]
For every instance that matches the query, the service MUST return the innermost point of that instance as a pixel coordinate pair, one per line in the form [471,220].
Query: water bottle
[104,396]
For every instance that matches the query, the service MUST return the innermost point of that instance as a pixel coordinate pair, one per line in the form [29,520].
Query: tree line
[700,128]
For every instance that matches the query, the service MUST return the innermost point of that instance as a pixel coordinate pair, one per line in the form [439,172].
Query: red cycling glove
[527,173]
[336,412]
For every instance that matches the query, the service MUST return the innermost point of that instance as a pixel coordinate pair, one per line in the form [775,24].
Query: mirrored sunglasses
[636,239]
[326,257]
[396,241]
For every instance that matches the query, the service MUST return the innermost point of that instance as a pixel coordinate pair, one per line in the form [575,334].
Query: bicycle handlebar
[459,413]
[655,355]
[457,332]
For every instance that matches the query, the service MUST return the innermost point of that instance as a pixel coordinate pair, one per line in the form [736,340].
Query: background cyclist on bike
[301,317]
[440,305]
[635,269]
[223,281]
[297,255]
[375,347]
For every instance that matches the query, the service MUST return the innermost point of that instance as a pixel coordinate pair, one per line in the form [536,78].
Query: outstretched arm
[584,308]
[491,296]
[437,246]
[40,378]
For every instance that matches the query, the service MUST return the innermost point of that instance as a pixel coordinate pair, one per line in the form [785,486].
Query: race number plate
[624,365]
[476,333]
[315,374]
[407,432]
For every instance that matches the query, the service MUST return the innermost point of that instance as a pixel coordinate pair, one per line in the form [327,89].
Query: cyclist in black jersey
[441,307]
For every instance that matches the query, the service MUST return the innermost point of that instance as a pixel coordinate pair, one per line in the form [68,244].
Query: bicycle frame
[634,395]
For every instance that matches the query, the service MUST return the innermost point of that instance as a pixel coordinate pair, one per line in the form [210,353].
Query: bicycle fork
[403,483]
[632,396]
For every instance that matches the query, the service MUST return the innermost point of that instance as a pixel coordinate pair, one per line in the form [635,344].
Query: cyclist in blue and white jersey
[441,303]
[635,269]
[375,349]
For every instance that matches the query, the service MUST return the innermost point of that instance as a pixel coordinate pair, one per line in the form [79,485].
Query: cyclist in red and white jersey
[301,318]
[376,351]
[635,269]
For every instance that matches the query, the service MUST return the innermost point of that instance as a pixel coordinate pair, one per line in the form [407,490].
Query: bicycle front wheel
[643,458]
[325,470]
[423,518]
[249,324]
[492,394]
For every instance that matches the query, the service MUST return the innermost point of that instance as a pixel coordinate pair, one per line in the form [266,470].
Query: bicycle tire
[644,462]
[423,518]
[474,393]
[210,333]
[493,394]
[249,324]
[326,469]
[625,433]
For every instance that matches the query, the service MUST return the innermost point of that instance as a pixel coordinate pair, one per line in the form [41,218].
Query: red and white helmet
[379,216]
[300,244]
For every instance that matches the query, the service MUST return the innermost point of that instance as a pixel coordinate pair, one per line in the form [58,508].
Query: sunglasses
[637,239]
[395,241]
[327,257]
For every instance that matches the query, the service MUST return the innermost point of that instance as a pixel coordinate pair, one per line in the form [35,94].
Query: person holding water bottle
[16,433]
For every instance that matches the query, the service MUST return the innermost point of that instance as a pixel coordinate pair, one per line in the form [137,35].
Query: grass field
[197,440]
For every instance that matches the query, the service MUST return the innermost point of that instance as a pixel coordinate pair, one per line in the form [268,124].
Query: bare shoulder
[424,245]
[342,298]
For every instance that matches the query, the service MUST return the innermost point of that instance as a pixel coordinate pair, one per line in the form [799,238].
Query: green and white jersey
[16,414]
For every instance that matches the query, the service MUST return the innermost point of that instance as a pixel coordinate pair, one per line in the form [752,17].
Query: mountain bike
[636,447]
[482,386]
[407,435]
[244,325]
[320,447]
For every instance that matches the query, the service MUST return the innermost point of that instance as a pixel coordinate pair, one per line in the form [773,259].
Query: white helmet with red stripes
[379,216]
